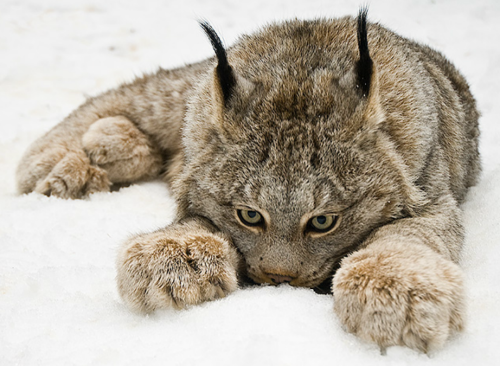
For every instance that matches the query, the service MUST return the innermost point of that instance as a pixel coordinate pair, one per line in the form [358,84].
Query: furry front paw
[176,267]
[397,294]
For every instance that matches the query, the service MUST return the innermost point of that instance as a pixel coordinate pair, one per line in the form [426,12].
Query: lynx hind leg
[116,145]
[68,174]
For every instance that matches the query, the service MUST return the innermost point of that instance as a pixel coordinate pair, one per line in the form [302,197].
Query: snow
[58,300]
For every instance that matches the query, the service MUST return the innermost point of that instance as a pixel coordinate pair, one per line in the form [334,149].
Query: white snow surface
[58,300]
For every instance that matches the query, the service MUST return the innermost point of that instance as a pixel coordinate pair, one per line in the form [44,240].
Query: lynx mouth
[309,280]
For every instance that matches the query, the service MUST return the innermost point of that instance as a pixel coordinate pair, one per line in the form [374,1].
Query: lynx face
[294,188]
[292,221]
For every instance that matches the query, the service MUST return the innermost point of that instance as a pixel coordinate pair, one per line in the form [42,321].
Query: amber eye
[250,218]
[322,224]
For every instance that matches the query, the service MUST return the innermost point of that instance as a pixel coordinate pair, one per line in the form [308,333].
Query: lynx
[331,154]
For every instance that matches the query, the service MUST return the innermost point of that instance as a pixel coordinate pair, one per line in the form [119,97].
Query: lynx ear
[225,80]
[364,66]
[366,72]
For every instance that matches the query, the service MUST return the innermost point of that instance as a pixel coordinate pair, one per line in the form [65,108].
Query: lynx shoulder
[330,153]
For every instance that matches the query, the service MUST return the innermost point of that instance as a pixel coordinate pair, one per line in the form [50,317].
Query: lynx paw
[398,294]
[117,146]
[176,267]
[73,177]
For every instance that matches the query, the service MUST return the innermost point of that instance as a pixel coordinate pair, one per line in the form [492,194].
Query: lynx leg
[116,145]
[403,287]
[98,129]
[112,150]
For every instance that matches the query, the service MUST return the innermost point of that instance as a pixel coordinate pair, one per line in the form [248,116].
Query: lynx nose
[279,278]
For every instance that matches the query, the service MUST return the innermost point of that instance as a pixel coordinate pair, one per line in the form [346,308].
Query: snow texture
[58,300]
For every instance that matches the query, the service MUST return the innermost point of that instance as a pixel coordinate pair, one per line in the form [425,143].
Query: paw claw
[220,293]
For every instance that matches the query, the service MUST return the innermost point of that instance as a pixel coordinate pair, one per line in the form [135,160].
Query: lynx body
[315,153]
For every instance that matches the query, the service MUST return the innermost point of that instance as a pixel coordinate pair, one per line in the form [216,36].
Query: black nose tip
[279,278]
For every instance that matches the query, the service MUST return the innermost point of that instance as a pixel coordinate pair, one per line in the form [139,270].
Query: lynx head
[284,150]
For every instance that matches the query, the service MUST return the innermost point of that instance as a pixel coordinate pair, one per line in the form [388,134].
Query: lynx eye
[322,224]
[250,217]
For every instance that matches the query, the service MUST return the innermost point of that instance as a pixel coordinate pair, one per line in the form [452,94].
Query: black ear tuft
[365,63]
[225,72]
